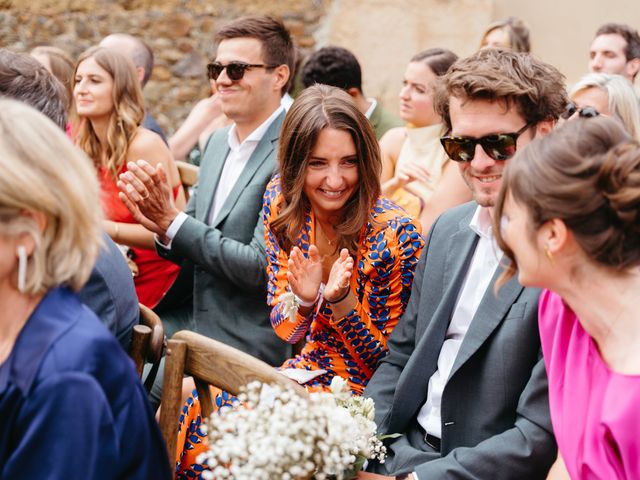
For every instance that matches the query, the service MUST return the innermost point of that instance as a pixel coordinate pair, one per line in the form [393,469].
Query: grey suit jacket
[495,413]
[229,259]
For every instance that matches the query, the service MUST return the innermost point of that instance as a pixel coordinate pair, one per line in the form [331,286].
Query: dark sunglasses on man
[584,112]
[499,146]
[235,70]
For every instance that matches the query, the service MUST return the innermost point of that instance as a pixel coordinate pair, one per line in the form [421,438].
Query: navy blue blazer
[111,294]
[71,405]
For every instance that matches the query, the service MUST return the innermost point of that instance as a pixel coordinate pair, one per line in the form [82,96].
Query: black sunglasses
[584,112]
[499,146]
[235,70]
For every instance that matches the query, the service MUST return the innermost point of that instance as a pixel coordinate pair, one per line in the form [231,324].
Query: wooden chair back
[188,176]
[210,363]
[147,343]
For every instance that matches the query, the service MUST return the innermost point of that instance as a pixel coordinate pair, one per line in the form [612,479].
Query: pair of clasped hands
[146,192]
[305,276]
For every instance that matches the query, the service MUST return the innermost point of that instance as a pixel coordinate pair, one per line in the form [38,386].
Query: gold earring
[549,255]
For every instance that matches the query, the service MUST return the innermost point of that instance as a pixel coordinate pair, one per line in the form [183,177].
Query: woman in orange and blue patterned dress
[340,257]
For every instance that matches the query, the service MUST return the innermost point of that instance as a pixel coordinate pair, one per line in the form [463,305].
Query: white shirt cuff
[172,231]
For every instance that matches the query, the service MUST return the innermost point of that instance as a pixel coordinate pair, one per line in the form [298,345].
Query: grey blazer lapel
[491,311]
[265,147]
[215,155]
[459,251]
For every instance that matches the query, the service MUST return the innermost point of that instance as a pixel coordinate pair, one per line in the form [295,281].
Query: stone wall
[180,33]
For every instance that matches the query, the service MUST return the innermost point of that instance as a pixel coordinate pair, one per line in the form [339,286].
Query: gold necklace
[326,237]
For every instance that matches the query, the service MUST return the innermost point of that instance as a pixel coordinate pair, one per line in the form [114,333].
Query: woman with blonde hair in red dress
[107,113]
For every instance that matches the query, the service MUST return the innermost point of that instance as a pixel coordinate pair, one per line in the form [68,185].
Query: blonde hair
[44,173]
[126,117]
[623,102]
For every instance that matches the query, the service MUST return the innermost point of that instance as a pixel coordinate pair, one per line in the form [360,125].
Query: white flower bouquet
[276,433]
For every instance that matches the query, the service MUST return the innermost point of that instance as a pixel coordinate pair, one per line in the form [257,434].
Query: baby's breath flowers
[276,433]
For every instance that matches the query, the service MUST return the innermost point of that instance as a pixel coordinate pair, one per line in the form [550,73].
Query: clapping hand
[339,278]
[146,192]
[305,274]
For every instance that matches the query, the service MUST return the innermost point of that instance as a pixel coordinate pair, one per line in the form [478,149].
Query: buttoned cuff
[172,231]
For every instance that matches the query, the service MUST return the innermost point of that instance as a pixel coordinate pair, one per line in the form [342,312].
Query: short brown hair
[519,80]
[516,30]
[277,46]
[587,174]
[25,79]
[316,108]
[632,50]
[437,59]
[61,63]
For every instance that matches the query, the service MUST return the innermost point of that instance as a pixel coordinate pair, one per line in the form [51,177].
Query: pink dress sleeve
[594,410]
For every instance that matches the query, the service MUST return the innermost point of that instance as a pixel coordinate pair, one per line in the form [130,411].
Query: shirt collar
[372,107]
[481,223]
[256,135]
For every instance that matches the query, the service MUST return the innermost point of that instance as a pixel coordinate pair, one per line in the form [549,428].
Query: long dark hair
[319,107]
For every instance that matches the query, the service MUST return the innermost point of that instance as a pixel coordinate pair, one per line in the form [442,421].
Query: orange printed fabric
[349,346]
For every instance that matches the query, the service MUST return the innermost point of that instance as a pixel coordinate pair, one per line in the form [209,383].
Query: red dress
[155,274]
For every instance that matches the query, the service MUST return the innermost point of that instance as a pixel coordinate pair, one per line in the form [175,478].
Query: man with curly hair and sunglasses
[220,238]
[464,382]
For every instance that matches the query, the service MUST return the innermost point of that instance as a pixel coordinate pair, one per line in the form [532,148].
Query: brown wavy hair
[520,80]
[61,65]
[316,108]
[126,117]
[587,174]
[516,30]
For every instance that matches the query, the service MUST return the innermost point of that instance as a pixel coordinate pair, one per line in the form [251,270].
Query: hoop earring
[22,268]
[549,255]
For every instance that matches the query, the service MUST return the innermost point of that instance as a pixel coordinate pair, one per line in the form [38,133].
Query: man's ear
[544,126]
[282,74]
[140,73]
[353,92]
[632,68]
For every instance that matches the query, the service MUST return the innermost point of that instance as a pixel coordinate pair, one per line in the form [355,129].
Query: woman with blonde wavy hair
[107,113]
[71,404]
[605,94]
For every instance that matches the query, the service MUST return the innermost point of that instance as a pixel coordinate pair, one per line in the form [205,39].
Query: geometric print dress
[350,346]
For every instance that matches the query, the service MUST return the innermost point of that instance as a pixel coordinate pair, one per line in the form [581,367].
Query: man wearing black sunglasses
[464,382]
[220,236]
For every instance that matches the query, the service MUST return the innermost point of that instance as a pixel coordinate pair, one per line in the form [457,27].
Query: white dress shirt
[373,103]
[239,154]
[483,265]
[286,101]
